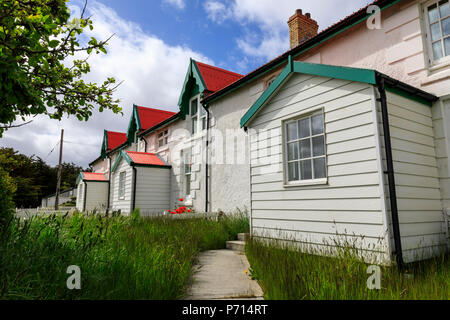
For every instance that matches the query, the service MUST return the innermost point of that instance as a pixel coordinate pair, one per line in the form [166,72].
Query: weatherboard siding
[350,204]
[153,190]
[122,204]
[80,195]
[417,177]
[97,196]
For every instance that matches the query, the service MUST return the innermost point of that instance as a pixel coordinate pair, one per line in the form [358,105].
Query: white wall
[417,178]
[153,190]
[96,196]
[351,203]
[122,204]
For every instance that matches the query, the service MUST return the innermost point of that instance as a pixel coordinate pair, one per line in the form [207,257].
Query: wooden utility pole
[58,182]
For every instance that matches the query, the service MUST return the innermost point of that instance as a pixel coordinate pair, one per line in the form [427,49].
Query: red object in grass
[181,199]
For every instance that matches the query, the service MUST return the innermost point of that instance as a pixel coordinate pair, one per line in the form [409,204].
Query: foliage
[287,274]
[7,189]
[119,257]
[34,178]
[41,67]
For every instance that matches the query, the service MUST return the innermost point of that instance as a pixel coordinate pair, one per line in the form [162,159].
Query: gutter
[133,203]
[390,173]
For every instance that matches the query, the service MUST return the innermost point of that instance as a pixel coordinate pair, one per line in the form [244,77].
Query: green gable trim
[409,96]
[134,125]
[121,155]
[266,95]
[80,178]
[104,145]
[193,85]
[345,73]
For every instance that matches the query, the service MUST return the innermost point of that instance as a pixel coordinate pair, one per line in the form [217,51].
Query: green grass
[119,257]
[287,274]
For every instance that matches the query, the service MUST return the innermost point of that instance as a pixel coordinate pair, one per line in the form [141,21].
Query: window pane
[293,171]
[320,170]
[317,124]
[194,125]
[203,123]
[433,13]
[304,130]
[319,146]
[194,106]
[435,32]
[306,170]
[446,26]
[292,132]
[444,6]
[447,46]
[437,50]
[305,149]
[293,151]
[202,111]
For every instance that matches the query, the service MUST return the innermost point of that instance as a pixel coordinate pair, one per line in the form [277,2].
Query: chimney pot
[301,28]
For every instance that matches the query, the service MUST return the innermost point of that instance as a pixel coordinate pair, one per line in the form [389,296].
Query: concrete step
[236,246]
[243,236]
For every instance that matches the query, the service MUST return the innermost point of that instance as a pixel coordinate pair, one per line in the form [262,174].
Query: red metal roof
[92,176]
[145,158]
[150,117]
[115,139]
[216,78]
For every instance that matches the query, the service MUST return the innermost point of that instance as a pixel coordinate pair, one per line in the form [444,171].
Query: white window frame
[163,136]
[445,59]
[122,183]
[200,117]
[187,170]
[285,157]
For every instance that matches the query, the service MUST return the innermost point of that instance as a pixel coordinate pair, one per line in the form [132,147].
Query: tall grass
[119,257]
[287,274]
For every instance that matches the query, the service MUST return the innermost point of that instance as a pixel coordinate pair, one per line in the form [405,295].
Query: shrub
[7,190]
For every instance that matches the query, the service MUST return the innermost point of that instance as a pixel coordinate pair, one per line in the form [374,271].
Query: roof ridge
[153,108]
[219,69]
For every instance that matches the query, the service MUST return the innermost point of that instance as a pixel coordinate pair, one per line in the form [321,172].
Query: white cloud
[153,73]
[179,4]
[216,11]
[270,34]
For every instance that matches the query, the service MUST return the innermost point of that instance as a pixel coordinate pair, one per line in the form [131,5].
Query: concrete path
[220,275]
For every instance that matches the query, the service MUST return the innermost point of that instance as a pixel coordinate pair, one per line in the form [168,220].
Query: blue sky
[150,52]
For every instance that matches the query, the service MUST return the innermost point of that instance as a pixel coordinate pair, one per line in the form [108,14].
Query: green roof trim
[104,145]
[80,177]
[368,76]
[123,155]
[345,73]
[134,125]
[193,85]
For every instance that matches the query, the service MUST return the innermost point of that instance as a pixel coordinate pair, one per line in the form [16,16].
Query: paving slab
[220,275]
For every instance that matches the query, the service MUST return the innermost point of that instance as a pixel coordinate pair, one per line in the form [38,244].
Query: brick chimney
[301,28]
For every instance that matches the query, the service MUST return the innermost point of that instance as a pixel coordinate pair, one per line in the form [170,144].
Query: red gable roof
[145,158]
[216,78]
[115,139]
[150,117]
[92,176]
